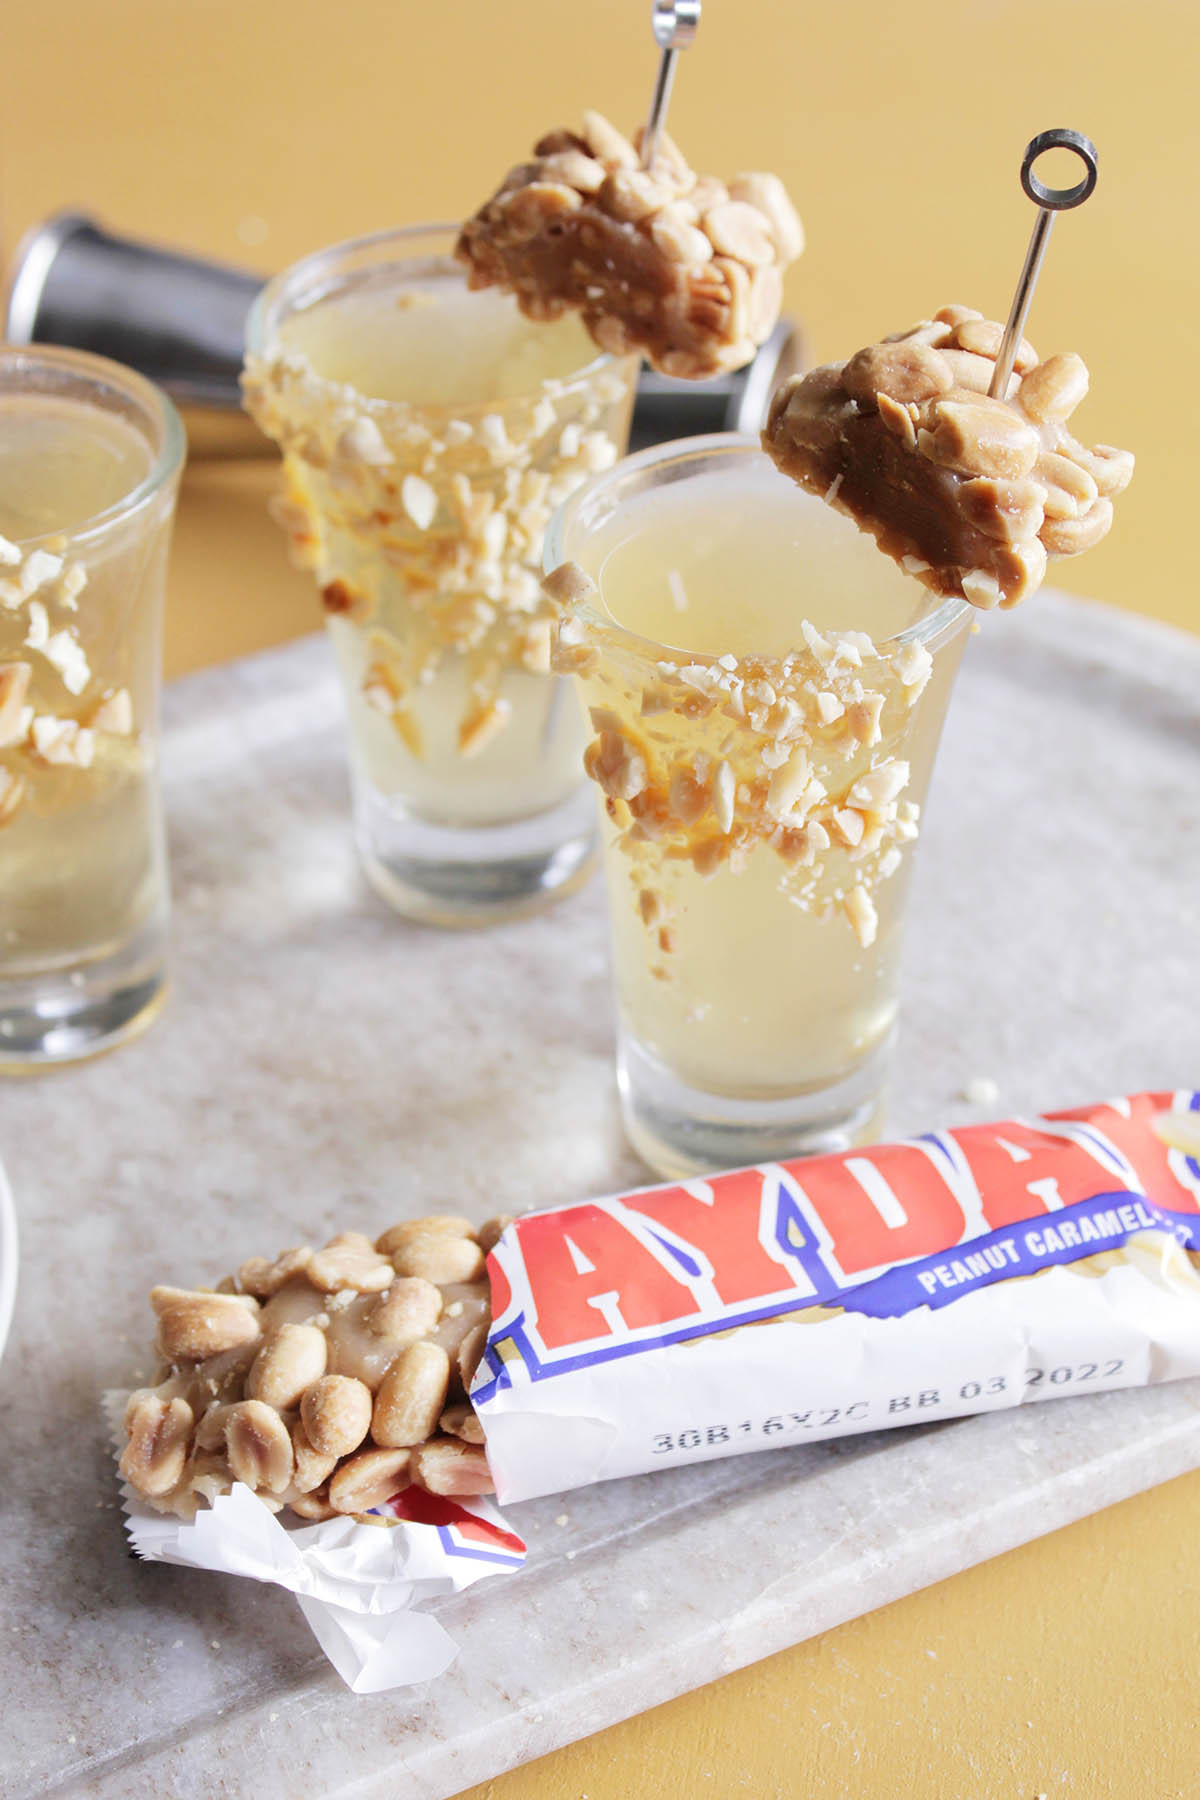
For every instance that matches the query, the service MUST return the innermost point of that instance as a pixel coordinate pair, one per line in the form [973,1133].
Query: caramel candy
[684,269]
[970,494]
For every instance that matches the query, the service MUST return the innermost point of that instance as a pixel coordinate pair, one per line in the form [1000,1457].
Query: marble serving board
[322,1065]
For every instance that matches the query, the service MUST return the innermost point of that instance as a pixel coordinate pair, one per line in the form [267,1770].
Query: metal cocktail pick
[674,23]
[1048,201]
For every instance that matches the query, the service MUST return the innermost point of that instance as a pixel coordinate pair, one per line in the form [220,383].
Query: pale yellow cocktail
[766,694]
[89,459]
[428,434]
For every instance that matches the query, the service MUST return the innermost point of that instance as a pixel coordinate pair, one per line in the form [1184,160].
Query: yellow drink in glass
[89,463]
[766,693]
[428,433]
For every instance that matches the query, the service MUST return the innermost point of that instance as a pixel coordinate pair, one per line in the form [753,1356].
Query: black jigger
[177,319]
[181,320]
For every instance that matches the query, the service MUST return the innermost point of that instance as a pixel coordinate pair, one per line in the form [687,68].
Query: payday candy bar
[956,1272]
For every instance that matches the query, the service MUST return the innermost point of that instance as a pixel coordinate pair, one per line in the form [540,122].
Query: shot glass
[90,457]
[766,693]
[428,433]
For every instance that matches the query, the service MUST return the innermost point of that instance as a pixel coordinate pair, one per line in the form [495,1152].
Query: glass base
[681,1130]
[71,1014]
[460,875]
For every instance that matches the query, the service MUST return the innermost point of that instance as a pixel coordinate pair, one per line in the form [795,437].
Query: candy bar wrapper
[358,1585]
[957,1272]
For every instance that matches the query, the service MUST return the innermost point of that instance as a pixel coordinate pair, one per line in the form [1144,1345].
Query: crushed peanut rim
[701,757]
[423,523]
[39,731]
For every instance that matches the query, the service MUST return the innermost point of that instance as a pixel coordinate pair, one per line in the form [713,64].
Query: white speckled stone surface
[322,1065]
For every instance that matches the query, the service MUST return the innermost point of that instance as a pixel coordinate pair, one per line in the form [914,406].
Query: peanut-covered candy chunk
[681,267]
[315,1378]
[971,494]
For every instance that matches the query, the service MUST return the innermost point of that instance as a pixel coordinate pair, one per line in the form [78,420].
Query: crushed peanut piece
[62,741]
[14,685]
[12,792]
[65,652]
[114,714]
[419,501]
[482,725]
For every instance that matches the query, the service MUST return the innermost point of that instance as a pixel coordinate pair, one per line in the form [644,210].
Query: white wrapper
[791,1382]
[961,1272]
[359,1586]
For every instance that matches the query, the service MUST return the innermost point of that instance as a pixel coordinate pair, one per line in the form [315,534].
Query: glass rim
[170,454]
[278,298]
[683,452]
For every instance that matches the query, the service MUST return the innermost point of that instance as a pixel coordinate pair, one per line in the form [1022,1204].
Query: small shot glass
[766,693]
[90,458]
[428,433]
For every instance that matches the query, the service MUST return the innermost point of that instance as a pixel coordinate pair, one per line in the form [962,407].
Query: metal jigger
[1048,201]
[177,319]
[674,23]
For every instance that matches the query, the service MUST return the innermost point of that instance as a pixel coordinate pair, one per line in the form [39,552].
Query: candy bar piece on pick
[682,267]
[968,492]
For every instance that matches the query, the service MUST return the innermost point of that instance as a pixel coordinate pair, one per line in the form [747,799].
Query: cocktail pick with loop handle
[1048,201]
[674,23]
